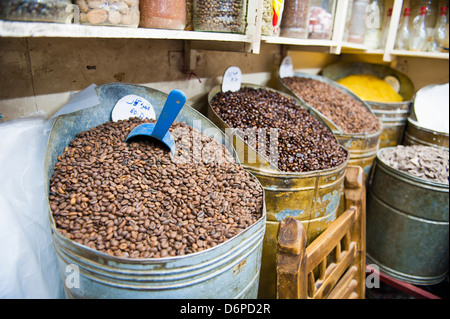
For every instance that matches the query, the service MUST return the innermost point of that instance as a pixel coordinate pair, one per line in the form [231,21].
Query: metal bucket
[362,147]
[314,198]
[229,270]
[417,135]
[407,225]
[392,116]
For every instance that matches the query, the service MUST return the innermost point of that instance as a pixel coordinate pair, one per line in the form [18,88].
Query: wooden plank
[291,259]
[326,242]
[345,284]
[338,270]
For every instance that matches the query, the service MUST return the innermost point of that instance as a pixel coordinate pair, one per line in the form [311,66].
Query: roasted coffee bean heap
[304,144]
[350,115]
[136,200]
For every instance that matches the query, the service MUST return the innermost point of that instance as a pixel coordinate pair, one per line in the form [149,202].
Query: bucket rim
[442,186]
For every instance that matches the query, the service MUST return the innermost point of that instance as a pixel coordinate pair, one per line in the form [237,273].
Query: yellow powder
[370,88]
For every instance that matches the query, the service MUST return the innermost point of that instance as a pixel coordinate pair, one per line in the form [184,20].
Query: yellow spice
[371,88]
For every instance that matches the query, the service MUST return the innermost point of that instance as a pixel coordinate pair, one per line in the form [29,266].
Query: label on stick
[232,79]
[133,106]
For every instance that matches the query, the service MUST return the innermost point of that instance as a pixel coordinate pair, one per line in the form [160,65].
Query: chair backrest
[333,265]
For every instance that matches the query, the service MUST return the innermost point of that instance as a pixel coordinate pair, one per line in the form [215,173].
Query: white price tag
[286,67]
[132,106]
[232,79]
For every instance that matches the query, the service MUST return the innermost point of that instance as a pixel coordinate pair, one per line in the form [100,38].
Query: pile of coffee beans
[136,200]
[304,144]
[426,162]
[220,15]
[349,114]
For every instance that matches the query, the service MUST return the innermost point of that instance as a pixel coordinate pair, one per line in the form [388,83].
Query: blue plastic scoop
[160,131]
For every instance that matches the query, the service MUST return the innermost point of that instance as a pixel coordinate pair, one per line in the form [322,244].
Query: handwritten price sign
[232,79]
[133,106]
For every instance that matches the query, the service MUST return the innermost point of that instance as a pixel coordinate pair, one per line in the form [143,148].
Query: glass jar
[357,26]
[37,10]
[321,16]
[163,14]
[295,19]
[267,18]
[220,15]
[123,13]
[189,15]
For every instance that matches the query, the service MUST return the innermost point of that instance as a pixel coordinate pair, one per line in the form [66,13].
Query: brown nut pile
[304,144]
[426,162]
[135,200]
[350,115]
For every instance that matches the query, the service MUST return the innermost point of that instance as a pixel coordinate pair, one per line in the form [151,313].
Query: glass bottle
[37,10]
[357,26]
[418,37]
[295,19]
[402,40]
[321,16]
[161,14]
[385,30]
[373,25]
[220,15]
[441,36]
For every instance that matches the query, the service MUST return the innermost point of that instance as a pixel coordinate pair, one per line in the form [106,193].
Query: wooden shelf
[57,30]
[419,54]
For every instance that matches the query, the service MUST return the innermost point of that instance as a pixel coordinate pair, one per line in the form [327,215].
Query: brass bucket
[392,116]
[407,225]
[362,147]
[314,198]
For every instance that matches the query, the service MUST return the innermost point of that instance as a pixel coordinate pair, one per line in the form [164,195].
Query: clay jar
[162,14]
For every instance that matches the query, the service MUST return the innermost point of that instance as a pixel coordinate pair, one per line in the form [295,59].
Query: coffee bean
[349,114]
[135,200]
[298,131]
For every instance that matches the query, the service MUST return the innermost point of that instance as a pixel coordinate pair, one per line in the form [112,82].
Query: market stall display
[308,183]
[220,16]
[132,213]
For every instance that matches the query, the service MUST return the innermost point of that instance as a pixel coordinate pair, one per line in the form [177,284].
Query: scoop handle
[174,103]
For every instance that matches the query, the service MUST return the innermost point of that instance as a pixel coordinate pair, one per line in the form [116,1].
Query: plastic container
[36,10]
[357,25]
[295,19]
[162,14]
[321,16]
[220,15]
[123,13]
[267,18]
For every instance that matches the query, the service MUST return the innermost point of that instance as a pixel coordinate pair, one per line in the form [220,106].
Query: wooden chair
[333,265]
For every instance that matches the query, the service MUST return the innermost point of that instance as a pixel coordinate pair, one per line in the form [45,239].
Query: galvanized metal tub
[417,135]
[229,270]
[362,147]
[392,116]
[407,225]
[314,198]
